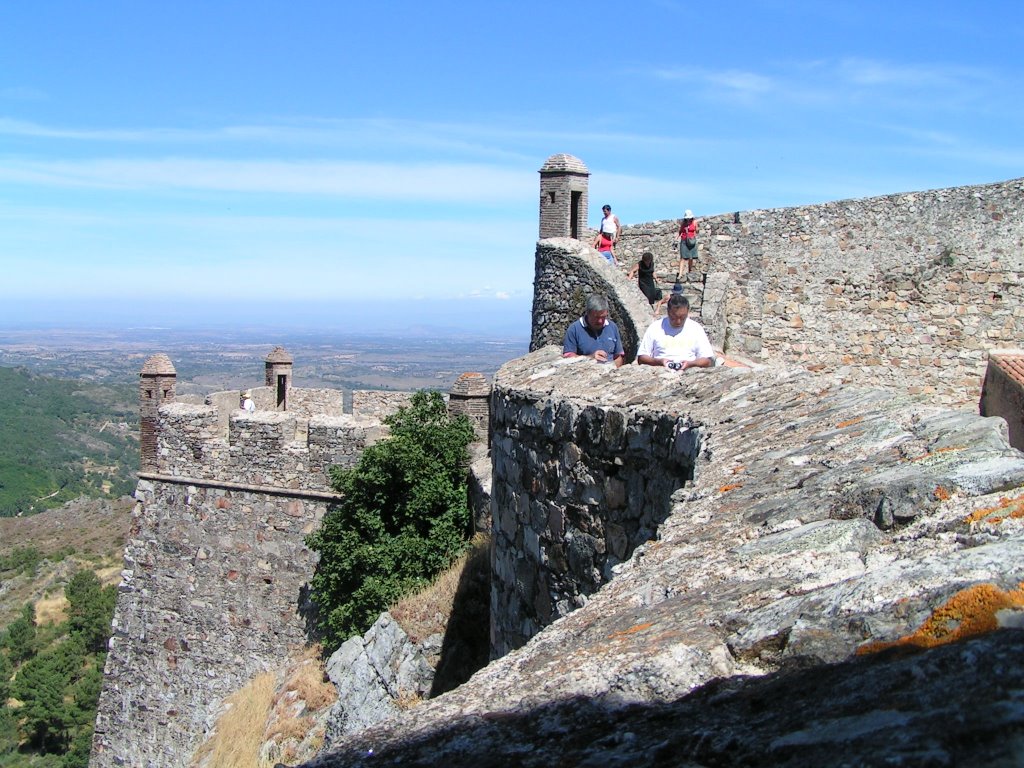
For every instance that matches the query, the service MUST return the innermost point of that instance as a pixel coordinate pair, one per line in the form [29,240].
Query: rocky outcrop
[840,583]
[377,674]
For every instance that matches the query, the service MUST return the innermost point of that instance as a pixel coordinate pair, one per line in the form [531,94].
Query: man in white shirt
[676,341]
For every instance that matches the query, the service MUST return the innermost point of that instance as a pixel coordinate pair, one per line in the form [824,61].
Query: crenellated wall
[263,448]
[214,588]
[905,291]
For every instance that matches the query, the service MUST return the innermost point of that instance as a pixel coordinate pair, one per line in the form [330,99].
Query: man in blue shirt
[594,335]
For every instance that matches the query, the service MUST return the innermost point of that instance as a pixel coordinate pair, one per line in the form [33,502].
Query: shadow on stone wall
[464,649]
[952,705]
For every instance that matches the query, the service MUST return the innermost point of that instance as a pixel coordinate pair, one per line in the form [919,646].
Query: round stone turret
[157,380]
[564,180]
[279,376]
[470,396]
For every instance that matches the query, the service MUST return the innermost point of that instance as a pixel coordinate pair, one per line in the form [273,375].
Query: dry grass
[51,609]
[238,735]
[308,682]
[426,612]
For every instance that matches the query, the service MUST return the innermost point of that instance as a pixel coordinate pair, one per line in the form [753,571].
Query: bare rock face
[840,583]
[374,673]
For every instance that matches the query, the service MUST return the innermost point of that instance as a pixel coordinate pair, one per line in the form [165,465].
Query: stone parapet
[904,291]
[589,460]
[263,448]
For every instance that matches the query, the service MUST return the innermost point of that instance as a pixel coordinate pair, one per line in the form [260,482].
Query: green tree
[6,670]
[404,517]
[20,638]
[90,609]
[41,685]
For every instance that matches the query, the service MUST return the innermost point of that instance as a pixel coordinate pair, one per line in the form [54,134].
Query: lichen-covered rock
[774,618]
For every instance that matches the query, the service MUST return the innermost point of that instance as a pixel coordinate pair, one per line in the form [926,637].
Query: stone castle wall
[591,461]
[576,488]
[263,448]
[214,589]
[212,594]
[378,403]
[905,291]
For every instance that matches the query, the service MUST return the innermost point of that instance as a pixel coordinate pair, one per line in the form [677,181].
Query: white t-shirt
[608,225]
[678,344]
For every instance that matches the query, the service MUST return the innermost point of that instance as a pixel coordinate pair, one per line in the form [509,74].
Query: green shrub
[404,518]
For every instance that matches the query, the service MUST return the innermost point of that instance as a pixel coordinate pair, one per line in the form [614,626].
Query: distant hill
[63,439]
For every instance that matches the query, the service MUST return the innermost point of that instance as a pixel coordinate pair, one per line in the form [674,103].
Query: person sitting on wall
[594,335]
[676,341]
[247,404]
[645,275]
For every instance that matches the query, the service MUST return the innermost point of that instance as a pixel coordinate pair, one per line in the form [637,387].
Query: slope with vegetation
[63,439]
[57,575]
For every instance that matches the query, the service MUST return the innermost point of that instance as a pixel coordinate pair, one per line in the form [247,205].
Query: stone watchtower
[470,396]
[563,197]
[279,376]
[156,387]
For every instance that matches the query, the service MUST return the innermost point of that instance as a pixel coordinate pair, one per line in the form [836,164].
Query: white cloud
[448,182]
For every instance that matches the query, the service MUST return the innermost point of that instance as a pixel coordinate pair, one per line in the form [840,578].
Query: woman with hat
[687,243]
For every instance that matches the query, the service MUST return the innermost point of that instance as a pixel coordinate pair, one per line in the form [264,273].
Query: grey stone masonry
[576,487]
[904,290]
[378,403]
[587,458]
[211,595]
[566,272]
[259,448]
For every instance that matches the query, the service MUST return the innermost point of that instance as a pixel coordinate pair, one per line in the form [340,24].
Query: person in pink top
[687,243]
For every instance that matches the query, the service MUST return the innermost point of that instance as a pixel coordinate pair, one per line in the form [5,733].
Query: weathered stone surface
[731,638]
[373,672]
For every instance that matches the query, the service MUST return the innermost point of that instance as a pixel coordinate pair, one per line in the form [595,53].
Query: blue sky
[361,160]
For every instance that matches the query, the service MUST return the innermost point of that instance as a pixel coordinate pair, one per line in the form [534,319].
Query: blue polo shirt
[580,340]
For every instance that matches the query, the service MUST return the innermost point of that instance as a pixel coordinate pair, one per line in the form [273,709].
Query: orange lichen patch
[730,487]
[937,451]
[849,422]
[942,494]
[971,611]
[737,469]
[632,630]
[1014,507]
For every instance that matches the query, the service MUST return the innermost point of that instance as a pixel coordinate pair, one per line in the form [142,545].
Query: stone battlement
[265,448]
